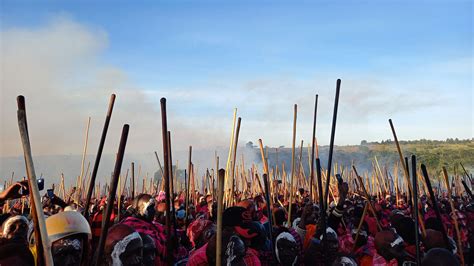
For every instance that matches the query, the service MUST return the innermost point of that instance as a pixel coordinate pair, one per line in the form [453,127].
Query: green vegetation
[433,153]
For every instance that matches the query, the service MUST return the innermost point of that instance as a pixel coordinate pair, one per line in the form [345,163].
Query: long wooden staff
[230,150]
[164,131]
[454,215]
[220,211]
[331,144]
[265,171]
[371,207]
[267,197]
[186,199]
[313,142]
[434,202]
[99,155]
[132,181]
[35,198]
[361,222]
[415,206]
[84,152]
[111,197]
[234,150]
[403,162]
[292,165]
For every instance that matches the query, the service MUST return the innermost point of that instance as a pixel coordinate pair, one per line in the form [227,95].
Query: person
[149,250]
[389,249]
[15,228]
[69,234]
[286,249]
[234,250]
[439,257]
[123,246]
[143,210]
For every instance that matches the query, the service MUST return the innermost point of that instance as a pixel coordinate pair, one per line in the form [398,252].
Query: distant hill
[433,153]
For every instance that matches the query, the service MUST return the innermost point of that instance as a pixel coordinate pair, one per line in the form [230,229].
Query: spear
[164,132]
[98,156]
[331,145]
[313,139]
[35,199]
[111,197]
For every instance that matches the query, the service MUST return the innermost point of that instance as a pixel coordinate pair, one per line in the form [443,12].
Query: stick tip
[163,100]
[20,99]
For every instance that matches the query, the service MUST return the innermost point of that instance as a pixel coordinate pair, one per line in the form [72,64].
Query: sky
[411,61]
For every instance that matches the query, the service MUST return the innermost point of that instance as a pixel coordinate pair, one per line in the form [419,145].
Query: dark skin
[13,191]
[287,251]
[133,254]
[64,253]
[18,231]
[149,250]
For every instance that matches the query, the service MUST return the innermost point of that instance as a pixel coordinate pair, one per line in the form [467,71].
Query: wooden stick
[164,128]
[313,143]
[415,206]
[220,211]
[112,194]
[234,159]
[372,209]
[434,202]
[454,215]
[405,166]
[361,222]
[132,181]
[34,191]
[86,140]
[292,165]
[230,150]
[331,144]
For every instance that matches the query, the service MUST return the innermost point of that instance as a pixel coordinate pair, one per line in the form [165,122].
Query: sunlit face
[67,251]
[133,254]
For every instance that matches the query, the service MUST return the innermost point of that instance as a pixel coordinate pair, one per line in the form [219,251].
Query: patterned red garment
[199,258]
[155,231]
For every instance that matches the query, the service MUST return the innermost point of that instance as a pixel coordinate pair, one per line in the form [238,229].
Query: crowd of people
[350,230]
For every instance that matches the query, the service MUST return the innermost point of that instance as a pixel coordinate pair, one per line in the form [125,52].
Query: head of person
[15,228]
[144,206]
[250,206]
[233,249]
[240,220]
[286,249]
[344,261]
[439,257]
[13,252]
[389,245]
[149,250]
[123,246]
[69,233]
[200,231]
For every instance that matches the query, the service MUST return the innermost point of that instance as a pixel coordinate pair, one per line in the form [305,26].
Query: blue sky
[407,60]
